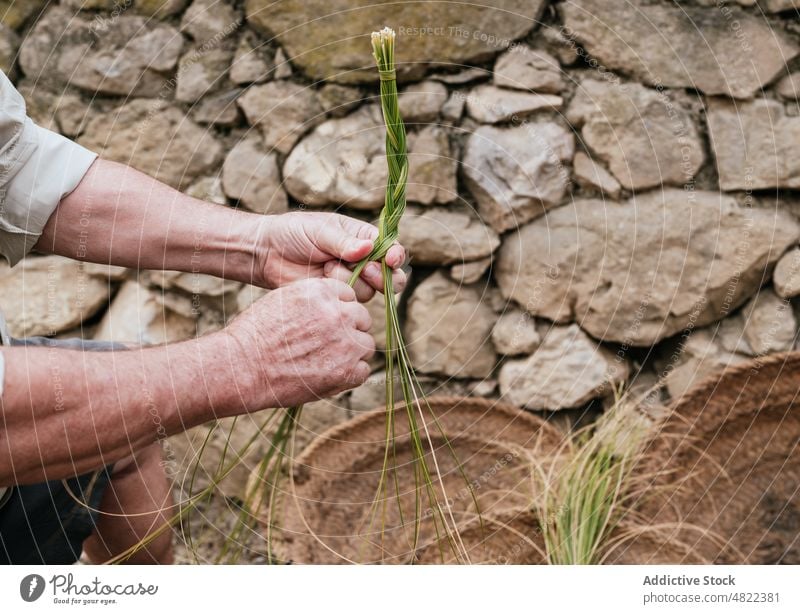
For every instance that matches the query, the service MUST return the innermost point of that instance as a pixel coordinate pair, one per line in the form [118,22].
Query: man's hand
[307,245]
[302,342]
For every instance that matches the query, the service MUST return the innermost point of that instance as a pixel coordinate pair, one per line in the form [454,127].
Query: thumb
[343,245]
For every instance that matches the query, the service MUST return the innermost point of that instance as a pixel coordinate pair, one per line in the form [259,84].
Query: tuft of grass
[585,496]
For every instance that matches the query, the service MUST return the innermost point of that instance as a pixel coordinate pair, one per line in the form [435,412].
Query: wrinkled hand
[303,245]
[302,342]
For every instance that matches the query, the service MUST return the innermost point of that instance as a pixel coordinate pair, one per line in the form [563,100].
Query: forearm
[120,216]
[66,412]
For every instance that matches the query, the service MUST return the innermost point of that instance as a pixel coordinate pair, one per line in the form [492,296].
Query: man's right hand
[302,342]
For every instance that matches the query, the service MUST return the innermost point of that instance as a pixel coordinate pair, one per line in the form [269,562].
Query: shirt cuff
[53,170]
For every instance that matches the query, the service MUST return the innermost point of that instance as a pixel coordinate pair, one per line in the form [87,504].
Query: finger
[336,270]
[373,275]
[367,343]
[361,372]
[358,315]
[399,280]
[343,291]
[396,256]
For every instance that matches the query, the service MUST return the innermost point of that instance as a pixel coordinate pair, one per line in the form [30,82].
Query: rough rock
[516,174]
[448,329]
[788,88]
[590,174]
[72,115]
[14,13]
[283,68]
[462,77]
[786,277]
[208,189]
[219,109]
[202,72]
[251,63]
[204,291]
[470,272]
[567,370]
[769,323]
[776,6]
[124,56]
[9,44]
[642,270]
[432,167]
[249,295]
[528,69]
[453,109]
[691,359]
[251,176]
[335,44]
[515,333]
[372,393]
[697,47]
[644,137]
[282,110]
[159,9]
[342,161]
[210,21]
[443,236]
[44,296]
[554,41]
[489,104]
[338,100]
[421,102]
[756,144]
[138,316]
[155,138]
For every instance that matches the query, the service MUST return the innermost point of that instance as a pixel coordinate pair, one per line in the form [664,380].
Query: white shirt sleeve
[37,169]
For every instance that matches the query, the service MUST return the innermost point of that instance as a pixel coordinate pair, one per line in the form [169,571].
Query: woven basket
[324,513]
[726,465]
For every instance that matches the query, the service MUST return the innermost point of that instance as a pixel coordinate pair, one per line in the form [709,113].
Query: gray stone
[769,323]
[201,72]
[155,138]
[160,9]
[9,45]
[786,277]
[338,100]
[342,162]
[251,63]
[644,137]
[219,109]
[756,145]
[448,329]
[567,370]
[14,13]
[776,6]
[788,88]
[125,56]
[491,105]
[470,272]
[590,174]
[462,77]
[442,236]
[697,356]
[283,69]
[421,102]
[453,109]
[515,333]
[282,110]
[642,270]
[334,44]
[138,316]
[210,21]
[516,174]
[431,167]
[699,48]
[208,189]
[44,296]
[528,69]
[251,176]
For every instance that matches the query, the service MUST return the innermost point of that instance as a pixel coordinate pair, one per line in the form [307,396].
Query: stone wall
[602,192]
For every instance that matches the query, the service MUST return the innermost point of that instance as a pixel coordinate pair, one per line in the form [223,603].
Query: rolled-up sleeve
[37,169]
